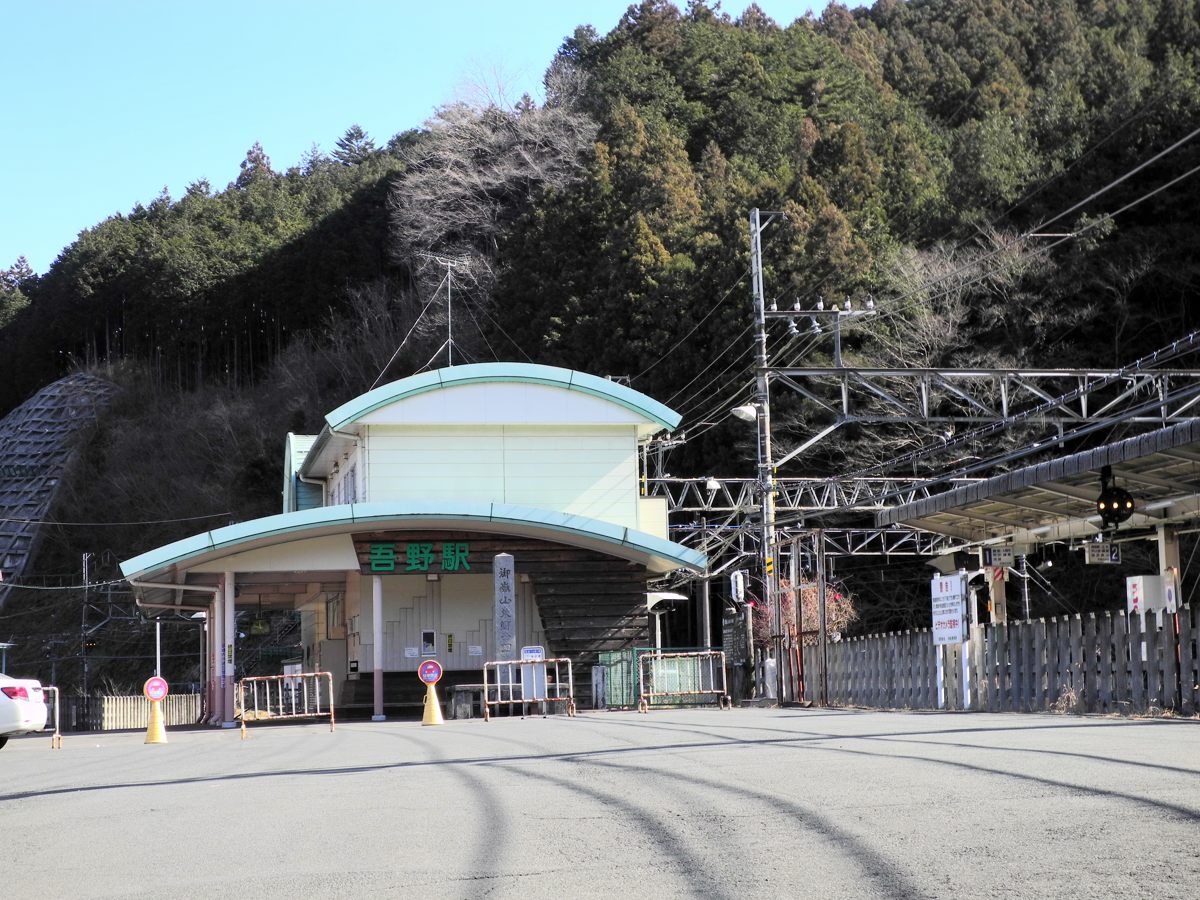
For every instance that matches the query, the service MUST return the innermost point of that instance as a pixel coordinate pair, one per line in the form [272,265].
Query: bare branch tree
[476,170]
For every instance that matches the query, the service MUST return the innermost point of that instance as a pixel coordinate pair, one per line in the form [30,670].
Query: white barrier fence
[274,698]
[516,682]
[682,677]
[56,736]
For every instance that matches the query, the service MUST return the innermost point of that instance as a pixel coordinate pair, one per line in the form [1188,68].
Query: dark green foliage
[910,145]
[12,297]
[209,288]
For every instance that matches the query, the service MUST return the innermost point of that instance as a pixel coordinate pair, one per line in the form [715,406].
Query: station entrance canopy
[1056,500]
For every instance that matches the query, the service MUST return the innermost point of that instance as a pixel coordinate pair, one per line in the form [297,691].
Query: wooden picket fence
[1097,663]
[134,712]
[113,713]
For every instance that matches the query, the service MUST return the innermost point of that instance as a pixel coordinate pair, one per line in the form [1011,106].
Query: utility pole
[766,474]
[83,627]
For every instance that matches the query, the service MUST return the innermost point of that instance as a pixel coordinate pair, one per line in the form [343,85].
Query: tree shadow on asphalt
[892,881]
[1183,812]
[793,742]
[907,737]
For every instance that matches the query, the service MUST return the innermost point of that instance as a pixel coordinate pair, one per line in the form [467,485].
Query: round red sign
[430,671]
[155,688]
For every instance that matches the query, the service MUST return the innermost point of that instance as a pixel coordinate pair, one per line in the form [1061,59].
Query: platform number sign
[1102,553]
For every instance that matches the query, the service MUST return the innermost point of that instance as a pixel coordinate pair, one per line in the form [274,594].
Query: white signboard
[505,576]
[949,609]
[998,556]
[411,652]
[474,650]
[1144,593]
[533,654]
[1103,553]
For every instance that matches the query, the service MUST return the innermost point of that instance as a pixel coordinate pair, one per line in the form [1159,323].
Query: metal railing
[56,738]
[518,682]
[682,676]
[274,698]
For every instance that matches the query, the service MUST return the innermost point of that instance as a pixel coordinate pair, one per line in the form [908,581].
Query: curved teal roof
[658,554]
[483,373]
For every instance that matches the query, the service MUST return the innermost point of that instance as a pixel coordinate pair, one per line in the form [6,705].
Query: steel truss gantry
[1069,402]
[1064,397]
[985,401]
[729,545]
[735,496]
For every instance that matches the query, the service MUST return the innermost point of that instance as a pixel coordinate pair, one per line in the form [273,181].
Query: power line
[66,587]
[487,315]
[704,319]
[896,304]
[479,329]
[415,323]
[102,524]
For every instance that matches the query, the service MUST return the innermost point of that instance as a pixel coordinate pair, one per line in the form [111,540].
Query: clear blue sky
[106,102]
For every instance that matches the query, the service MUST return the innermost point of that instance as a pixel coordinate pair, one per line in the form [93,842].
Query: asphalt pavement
[690,803]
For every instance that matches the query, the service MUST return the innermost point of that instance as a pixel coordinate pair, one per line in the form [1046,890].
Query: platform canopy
[321,539]
[1056,500]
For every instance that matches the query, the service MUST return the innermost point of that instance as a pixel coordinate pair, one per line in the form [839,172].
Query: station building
[394,515]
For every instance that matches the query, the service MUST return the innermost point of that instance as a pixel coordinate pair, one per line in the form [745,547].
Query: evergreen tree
[354,147]
[12,298]
[256,165]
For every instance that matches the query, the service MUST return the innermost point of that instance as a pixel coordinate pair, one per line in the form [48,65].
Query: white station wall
[586,470]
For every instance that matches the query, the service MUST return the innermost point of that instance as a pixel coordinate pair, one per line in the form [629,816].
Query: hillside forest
[920,152]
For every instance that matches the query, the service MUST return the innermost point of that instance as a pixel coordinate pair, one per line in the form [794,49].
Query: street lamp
[760,413]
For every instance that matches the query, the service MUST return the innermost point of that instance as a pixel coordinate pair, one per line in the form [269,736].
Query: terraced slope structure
[36,446]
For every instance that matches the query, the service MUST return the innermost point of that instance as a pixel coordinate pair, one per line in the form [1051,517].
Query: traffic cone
[157,732]
[433,709]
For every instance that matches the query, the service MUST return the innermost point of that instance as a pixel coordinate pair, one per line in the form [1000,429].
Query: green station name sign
[418,556]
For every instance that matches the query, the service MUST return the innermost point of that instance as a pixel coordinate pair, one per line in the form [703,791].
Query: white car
[22,707]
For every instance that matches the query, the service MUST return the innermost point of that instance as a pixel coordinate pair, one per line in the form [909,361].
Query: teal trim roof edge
[483,373]
[232,537]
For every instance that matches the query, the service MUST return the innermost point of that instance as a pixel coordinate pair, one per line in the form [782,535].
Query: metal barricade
[682,675]
[274,698]
[519,682]
[56,738]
